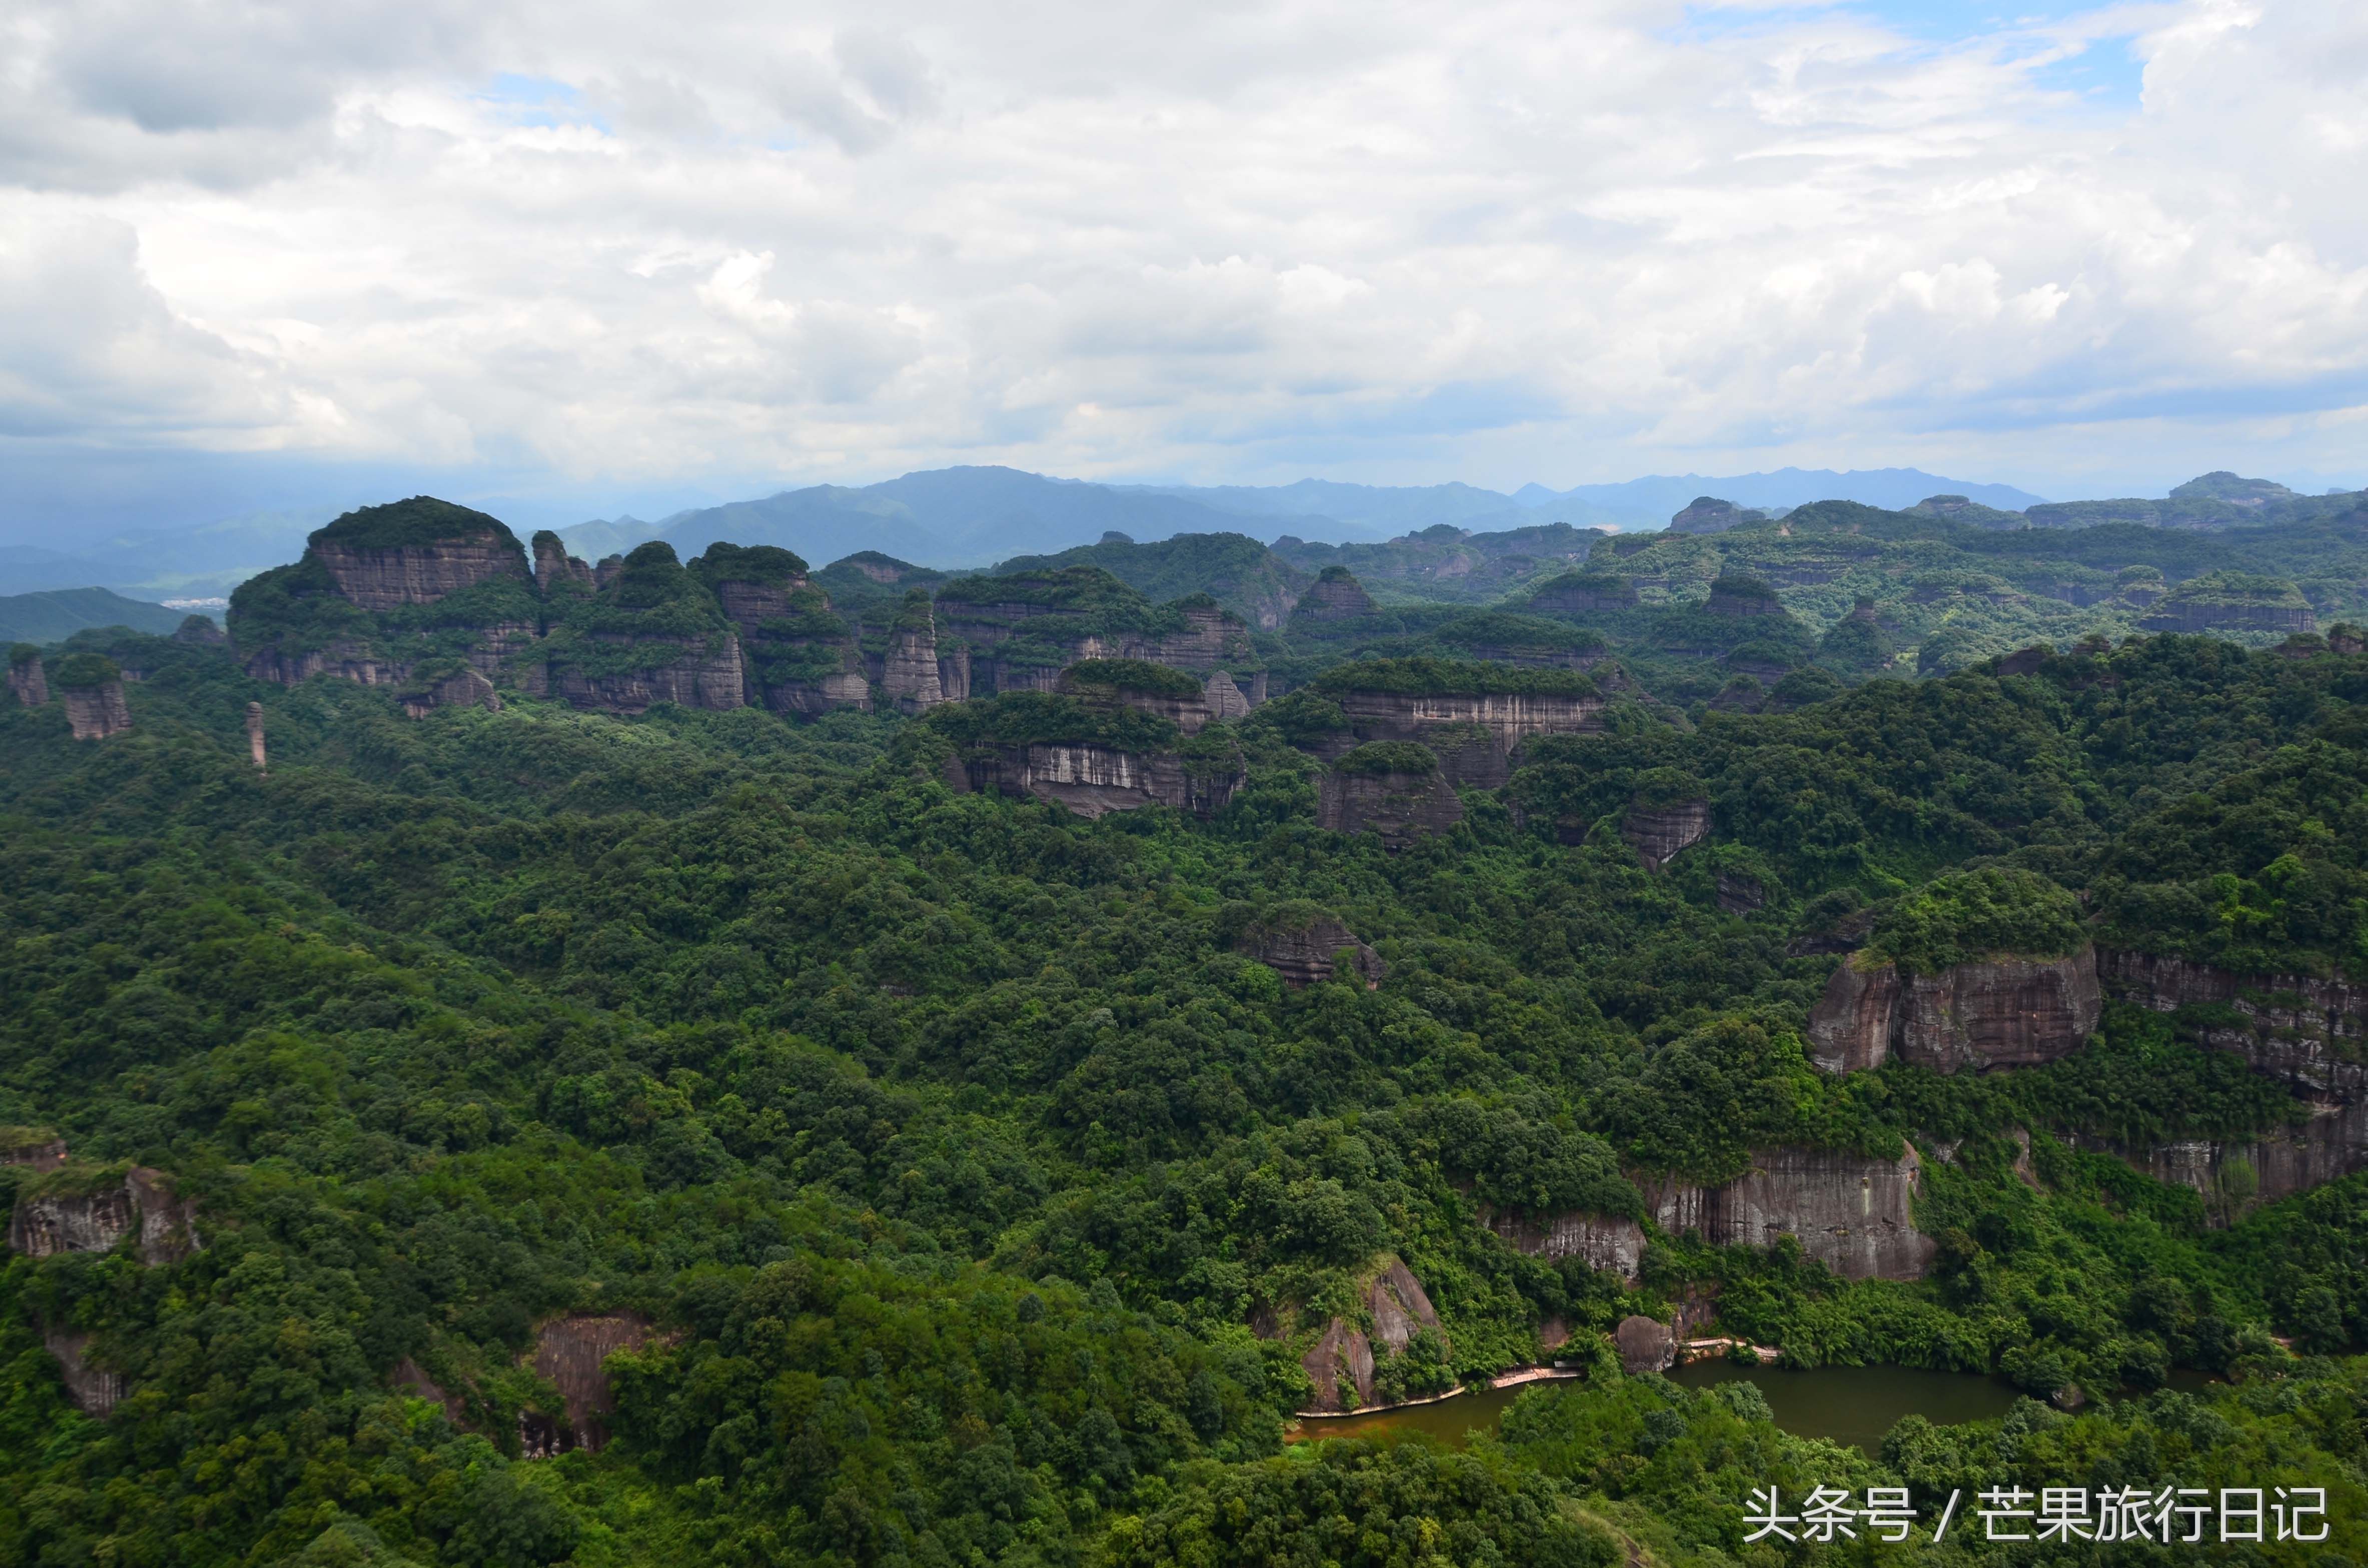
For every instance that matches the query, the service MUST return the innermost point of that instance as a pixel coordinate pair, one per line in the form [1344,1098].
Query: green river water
[1846,1405]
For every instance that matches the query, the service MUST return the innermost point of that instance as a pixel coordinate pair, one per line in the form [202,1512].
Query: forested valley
[511,1061]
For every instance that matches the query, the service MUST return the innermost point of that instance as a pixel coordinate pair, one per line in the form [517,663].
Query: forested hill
[642,1071]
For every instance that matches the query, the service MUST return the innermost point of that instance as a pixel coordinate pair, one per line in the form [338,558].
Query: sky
[592,257]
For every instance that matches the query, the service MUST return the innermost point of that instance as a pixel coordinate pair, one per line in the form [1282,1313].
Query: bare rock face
[1709,515]
[36,1148]
[700,674]
[1584,593]
[1399,1307]
[1739,892]
[2236,1175]
[1658,832]
[1343,1357]
[2311,1033]
[342,660]
[1475,737]
[569,1351]
[1645,1345]
[1225,698]
[464,688]
[144,1207]
[1606,1244]
[1094,780]
[1400,807]
[1188,710]
[1211,639]
[908,680]
[98,713]
[953,672]
[1742,597]
[555,570]
[1333,596]
[2002,1013]
[27,682]
[1850,1212]
[392,578]
[94,1392]
[1305,955]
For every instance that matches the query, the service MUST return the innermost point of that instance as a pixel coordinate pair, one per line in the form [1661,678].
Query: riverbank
[1507,1380]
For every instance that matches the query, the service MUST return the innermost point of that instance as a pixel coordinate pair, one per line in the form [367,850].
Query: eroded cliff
[1853,1212]
[2003,1012]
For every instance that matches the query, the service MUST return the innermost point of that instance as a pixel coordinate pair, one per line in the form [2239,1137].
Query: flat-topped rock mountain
[1473,717]
[1335,596]
[1394,788]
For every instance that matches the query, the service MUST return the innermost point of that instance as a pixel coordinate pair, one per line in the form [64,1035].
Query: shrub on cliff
[642,619]
[1451,677]
[1962,916]
[1376,758]
[1042,718]
[1131,674]
[767,564]
[421,521]
[81,671]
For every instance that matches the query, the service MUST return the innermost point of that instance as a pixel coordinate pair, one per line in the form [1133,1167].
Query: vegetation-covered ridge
[971,1180]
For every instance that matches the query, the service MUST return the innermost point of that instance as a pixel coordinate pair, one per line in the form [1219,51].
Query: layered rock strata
[143,1207]
[2310,1033]
[1658,832]
[1400,807]
[1094,780]
[95,1391]
[1335,595]
[395,576]
[26,681]
[1306,955]
[1851,1212]
[1584,593]
[98,713]
[697,673]
[463,688]
[571,1351]
[1475,737]
[2005,1012]
[1604,1243]
[2236,1176]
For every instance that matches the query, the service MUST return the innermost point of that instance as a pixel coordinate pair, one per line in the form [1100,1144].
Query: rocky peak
[415,553]
[92,688]
[1584,593]
[909,679]
[1335,595]
[1304,946]
[555,570]
[1225,698]
[200,631]
[651,632]
[27,680]
[1709,515]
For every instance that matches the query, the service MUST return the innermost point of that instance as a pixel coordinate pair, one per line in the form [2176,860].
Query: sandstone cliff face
[26,681]
[2177,614]
[908,678]
[1093,780]
[1400,807]
[2004,1013]
[98,711]
[1611,1246]
[1304,955]
[1225,698]
[255,747]
[420,573]
[1740,893]
[698,674]
[94,1392]
[2236,1175]
[1584,594]
[569,1351]
[343,660]
[1850,1212]
[1741,597]
[2311,1033]
[775,625]
[555,570]
[1645,1344]
[1332,597]
[464,688]
[408,1376]
[1399,1308]
[1658,832]
[143,1208]
[1475,737]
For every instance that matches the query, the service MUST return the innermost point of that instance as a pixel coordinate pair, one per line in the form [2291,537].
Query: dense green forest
[981,1184]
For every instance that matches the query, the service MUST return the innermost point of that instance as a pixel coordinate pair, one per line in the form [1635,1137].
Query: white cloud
[1494,242]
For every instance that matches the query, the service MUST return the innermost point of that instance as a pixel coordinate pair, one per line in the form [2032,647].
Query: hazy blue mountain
[1651,501]
[605,537]
[203,561]
[1364,511]
[59,613]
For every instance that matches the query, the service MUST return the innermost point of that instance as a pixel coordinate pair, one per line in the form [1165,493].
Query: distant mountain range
[58,614]
[974,516]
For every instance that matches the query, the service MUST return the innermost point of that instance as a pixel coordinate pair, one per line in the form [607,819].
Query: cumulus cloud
[1495,241]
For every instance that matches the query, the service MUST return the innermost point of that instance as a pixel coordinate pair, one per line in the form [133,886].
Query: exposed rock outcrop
[1709,515]
[2230,601]
[692,671]
[1739,892]
[1398,1308]
[95,1391]
[1400,806]
[1335,596]
[1602,1243]
[1225,697]
[464,688]
[799,655]
[1734,596]
[1658,832]
[98,713]
[27,680]
[1093,780]
[1209,640]
[2310,1033]
[1645,1345]
[1584,593]
[391,576]
[1163,693]
[570,1352]
[255,747]
[343,659]
[1475,737]
[1851,1212]
[2236,1175]
[1305,951]
[94,1219]
[36,1148]
[2005,1012]
[555,570]
[909,680]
